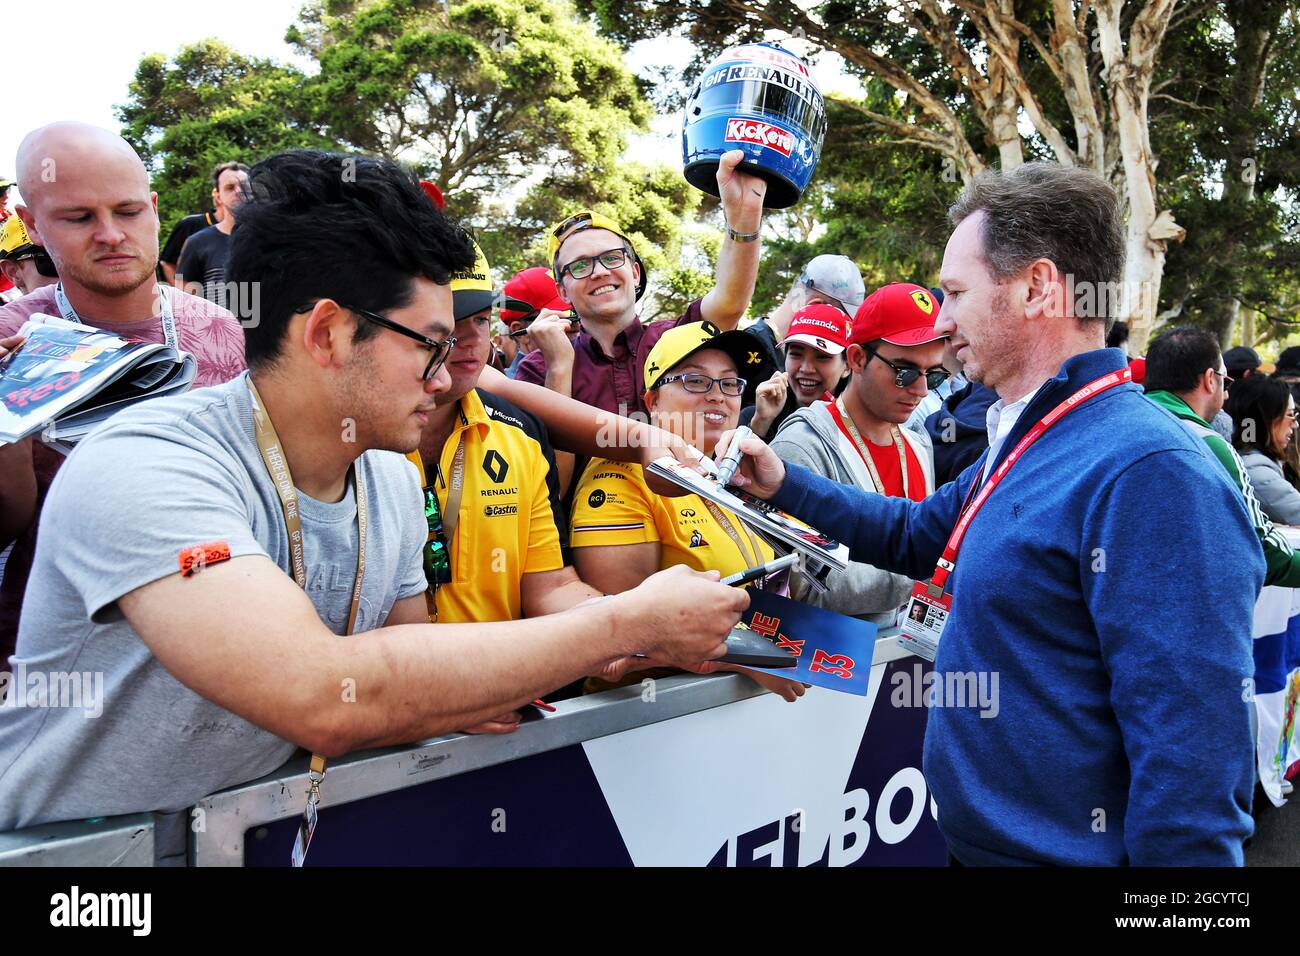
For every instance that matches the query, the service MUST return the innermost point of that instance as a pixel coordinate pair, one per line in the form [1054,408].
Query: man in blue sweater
[1109,580]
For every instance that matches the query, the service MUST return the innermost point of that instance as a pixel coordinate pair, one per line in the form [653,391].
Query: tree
[1079,74]
[1234,134]
[207,106]
[475,94]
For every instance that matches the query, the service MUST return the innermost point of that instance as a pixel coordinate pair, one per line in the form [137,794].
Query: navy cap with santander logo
[899,313]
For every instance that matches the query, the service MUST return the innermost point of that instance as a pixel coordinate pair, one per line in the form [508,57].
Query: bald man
[86,200]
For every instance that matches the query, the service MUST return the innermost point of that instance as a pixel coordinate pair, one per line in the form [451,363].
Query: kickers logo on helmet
[764,134]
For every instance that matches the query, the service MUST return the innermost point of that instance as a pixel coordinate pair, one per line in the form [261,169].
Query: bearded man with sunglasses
[206,554]
[895,356]
[601,278]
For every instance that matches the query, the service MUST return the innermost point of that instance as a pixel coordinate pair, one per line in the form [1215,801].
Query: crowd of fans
[380,330]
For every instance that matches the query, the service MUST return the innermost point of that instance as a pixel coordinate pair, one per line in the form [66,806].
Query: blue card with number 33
[831,650]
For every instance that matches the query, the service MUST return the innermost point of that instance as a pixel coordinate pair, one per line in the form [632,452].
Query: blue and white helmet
[762,99]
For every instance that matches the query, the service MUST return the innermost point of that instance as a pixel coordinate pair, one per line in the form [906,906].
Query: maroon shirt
[212,334]
[615,383]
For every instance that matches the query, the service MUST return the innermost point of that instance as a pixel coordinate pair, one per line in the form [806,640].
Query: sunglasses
[583,266]
[438,351]
[703,384]
[905,375]
[437,554]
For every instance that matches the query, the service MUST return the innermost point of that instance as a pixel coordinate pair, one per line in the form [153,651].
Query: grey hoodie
[811,438]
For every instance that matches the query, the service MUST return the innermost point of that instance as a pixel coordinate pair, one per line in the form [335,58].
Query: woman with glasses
[622,532]
[1263,420]
[894,356]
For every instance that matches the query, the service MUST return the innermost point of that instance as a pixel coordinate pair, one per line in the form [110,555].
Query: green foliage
[206,106]
[474,94]
[1241,243]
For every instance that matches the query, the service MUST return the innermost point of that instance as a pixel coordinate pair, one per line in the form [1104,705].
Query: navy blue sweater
[1110,582]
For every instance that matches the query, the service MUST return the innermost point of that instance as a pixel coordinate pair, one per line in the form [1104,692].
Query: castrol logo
[764,134]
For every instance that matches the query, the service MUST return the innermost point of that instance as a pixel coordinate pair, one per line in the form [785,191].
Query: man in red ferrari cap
[815,368]
[894,357]
[530,295]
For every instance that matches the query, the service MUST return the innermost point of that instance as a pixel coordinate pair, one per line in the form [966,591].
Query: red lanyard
[1095,387]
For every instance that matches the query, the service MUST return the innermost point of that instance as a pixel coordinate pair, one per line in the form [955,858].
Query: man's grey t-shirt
[155,481]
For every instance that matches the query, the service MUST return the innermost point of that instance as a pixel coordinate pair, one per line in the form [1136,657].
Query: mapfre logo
[764,134]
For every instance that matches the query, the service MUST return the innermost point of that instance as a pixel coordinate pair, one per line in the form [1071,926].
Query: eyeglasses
[437,555]
[583,266]
[438,351]
[1227,379]
[905,375]
[703,384]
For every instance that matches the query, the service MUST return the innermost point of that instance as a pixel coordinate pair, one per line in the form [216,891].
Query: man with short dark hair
[1187,378]
[206,553]
[170,255]
[1123,736]
[202,266]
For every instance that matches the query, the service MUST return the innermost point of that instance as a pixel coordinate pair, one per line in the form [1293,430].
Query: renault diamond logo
[495,466]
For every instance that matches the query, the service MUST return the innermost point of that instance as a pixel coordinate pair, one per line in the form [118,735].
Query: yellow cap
[675,345]
[13,237]
[471,290]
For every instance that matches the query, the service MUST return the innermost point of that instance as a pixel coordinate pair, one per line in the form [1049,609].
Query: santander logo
[764,134]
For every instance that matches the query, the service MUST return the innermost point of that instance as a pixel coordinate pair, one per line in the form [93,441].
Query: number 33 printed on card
[837,664]
[826,646]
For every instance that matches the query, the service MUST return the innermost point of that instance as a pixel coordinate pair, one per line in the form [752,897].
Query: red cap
[529,291]
[434,194]
[1139,369]
[824,327]
[899,313]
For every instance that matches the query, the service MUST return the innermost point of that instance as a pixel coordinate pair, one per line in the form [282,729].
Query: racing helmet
[760,98]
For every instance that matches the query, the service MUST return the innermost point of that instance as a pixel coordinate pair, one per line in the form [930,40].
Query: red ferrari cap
[529,291]
[899,313]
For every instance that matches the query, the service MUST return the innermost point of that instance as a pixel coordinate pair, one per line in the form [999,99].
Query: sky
[87,69]
[106,44]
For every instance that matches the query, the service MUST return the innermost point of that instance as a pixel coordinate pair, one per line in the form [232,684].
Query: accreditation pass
[924,620]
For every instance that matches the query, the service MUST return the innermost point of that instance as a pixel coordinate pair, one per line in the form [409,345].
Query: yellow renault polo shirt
[613,506]
[510,517]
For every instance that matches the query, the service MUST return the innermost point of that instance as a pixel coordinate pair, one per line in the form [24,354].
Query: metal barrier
[590,783]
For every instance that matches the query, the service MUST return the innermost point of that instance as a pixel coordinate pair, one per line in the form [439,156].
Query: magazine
[67,378]
[777,528]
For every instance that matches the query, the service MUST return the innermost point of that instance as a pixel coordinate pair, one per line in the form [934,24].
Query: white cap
[837,277]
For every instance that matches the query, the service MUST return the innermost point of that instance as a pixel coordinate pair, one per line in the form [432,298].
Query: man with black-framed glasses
[895,356]
[601,277]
